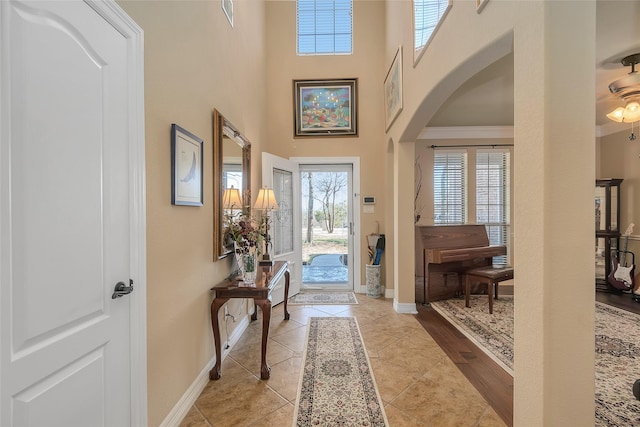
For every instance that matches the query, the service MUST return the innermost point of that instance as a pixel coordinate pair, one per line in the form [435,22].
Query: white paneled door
[71,203]
[282,175]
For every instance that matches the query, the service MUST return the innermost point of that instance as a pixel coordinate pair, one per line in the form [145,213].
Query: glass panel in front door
[325,226]
[283,225]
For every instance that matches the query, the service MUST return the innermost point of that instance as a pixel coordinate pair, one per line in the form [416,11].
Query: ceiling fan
[627,88]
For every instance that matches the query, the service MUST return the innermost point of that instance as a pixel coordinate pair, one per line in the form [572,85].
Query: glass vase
[249,264]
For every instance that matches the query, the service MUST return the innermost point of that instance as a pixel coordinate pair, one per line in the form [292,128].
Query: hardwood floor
[493,382]
[495,385]
[620,300]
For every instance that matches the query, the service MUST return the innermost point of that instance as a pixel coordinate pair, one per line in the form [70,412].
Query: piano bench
[491,276]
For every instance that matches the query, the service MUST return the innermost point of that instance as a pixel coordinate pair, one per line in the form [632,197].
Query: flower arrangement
[244,234]
[247,240]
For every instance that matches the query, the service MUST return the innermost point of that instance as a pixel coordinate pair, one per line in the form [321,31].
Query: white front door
[70,208]
[352,166]
[327,248]
[282,175]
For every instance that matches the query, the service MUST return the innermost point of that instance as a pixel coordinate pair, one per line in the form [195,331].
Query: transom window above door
[324,27]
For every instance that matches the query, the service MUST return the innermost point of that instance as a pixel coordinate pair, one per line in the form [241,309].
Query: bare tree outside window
[328,185]
[325,231]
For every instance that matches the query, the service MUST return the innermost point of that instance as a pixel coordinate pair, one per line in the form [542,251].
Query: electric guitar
[621,276]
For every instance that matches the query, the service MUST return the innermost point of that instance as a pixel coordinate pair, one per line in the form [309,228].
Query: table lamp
[266,202]
[231,199]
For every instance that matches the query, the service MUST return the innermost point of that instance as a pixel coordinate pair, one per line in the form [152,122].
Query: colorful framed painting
[186,167]
[325,107]
[393,90]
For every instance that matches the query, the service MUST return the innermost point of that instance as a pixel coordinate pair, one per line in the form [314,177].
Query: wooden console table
[266,280]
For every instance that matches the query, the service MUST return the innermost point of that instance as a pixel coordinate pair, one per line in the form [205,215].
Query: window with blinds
[449,187]
[492,197]
[427,15]
[324,27]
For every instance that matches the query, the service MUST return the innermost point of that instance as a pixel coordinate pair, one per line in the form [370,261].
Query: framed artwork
[227,6]
[325,107]
[480,4]
[186,167]
[393,90]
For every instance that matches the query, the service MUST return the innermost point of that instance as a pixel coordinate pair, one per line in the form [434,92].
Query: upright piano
[444,252]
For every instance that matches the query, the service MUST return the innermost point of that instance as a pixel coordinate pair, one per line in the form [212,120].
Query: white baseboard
[388,292]
[405,308]
[181,409]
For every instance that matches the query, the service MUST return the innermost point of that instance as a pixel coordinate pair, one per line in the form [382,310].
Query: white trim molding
[134,37]
[466,132]
[494,132]
[404,307]
[611,128]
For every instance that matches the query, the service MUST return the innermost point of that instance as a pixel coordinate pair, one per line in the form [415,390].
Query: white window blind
[492,197]
[324,27]
[427,14]
[449,187]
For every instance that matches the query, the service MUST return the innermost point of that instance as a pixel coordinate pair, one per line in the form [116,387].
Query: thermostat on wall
[369,200]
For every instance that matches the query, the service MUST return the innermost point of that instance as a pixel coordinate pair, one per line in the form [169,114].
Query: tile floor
[418,383]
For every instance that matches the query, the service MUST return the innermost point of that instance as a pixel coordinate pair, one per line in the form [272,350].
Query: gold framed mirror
[231,169]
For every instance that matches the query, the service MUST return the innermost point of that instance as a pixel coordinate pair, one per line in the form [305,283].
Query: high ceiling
[487,98]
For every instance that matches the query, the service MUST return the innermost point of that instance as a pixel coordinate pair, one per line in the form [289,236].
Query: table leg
[287,277]
[214,373]
[265,306]
[467,290]
[490,292]
[254,316]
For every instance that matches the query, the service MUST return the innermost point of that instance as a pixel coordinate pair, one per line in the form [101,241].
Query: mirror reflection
[232,181]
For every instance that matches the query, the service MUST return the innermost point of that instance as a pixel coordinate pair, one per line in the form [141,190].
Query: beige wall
[194,62]
[450,59]
[367,65]
[546,342]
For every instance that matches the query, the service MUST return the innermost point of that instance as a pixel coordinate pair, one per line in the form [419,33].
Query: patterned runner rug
[336,298]
[336,384]
[617,350]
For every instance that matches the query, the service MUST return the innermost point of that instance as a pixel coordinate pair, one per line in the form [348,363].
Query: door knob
[122,289]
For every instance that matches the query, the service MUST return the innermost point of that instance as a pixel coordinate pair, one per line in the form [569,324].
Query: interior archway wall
[542,395]
[451,58]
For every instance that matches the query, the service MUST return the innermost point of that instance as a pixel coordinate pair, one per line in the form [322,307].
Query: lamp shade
[231,199]
[266,200]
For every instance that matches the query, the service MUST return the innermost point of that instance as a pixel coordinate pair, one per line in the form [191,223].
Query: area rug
[493,334]
[617,350]
[335,298]
[336,386]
